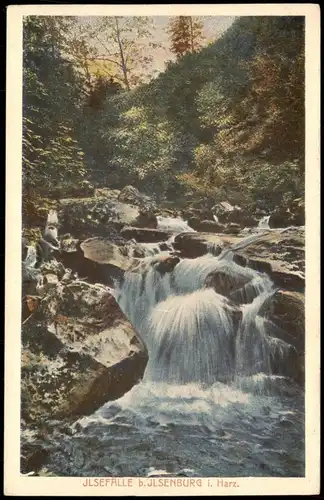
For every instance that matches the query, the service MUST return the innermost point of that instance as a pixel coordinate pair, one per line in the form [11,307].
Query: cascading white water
[190,338]
[31,257]
[264,222]
[209,403]
[190,330]
[174,224]
[141,291]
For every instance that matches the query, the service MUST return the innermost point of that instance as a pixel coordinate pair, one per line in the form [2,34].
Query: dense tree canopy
[224,120]
[185,35]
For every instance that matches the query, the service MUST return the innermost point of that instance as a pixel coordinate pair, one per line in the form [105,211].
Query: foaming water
[195,334]
[187,430]
[209,403]
[141,291]
[31,257]
[190,338]
[254,346]
[174,224]
[264,222]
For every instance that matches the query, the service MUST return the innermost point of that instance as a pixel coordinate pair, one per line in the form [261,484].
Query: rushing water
[209,403]
[175,224]
[264,222]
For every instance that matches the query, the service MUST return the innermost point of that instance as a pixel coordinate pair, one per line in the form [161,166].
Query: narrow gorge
[160,348]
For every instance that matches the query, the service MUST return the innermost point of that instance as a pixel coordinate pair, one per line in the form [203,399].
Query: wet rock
[208,226]
[232,228]
[297,209]
[280,218]
[193,245]
[166,264]
[164,247]
[33,458]
[229,285]
[286,310]
[79,351]
[97,216]
[130,194]
[142,235]
[96,260]
[281,254]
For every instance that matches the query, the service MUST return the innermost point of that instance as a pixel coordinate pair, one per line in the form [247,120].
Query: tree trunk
[122,58]
[191,35]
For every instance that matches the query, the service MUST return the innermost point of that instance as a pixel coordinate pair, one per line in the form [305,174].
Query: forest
[223,121]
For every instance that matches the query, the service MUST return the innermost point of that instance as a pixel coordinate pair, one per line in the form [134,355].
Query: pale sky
[214,27]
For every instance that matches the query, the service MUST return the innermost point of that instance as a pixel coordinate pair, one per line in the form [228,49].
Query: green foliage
[185,35]
[52,157]
[153,150]
[225,122]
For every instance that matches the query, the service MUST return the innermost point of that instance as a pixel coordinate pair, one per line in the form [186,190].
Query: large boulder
[145,235]
[103,251]
[165,263]
[223,209]
[96,260]
[286,310]
[193,245]
[79,351]
[231,285]
[227,214]
[297,209]
[280,218]
[208,226]
[281,254]
[131,195]
[98,216]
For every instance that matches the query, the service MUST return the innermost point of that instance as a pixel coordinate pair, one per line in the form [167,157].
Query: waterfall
[264,222]
[31,257]
[212,398]
[190,338]
[193,333]
[174,224]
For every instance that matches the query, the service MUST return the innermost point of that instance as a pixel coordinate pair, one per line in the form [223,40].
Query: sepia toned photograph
[163,218]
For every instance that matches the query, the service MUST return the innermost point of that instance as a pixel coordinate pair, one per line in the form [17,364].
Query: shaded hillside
[212,118]
[224,122]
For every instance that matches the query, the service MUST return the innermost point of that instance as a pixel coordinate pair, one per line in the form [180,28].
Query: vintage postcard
[162,250]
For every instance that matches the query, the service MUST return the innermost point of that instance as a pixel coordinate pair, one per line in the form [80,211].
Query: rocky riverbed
[85,344]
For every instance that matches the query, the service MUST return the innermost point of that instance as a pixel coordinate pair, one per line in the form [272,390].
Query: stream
[210,402]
